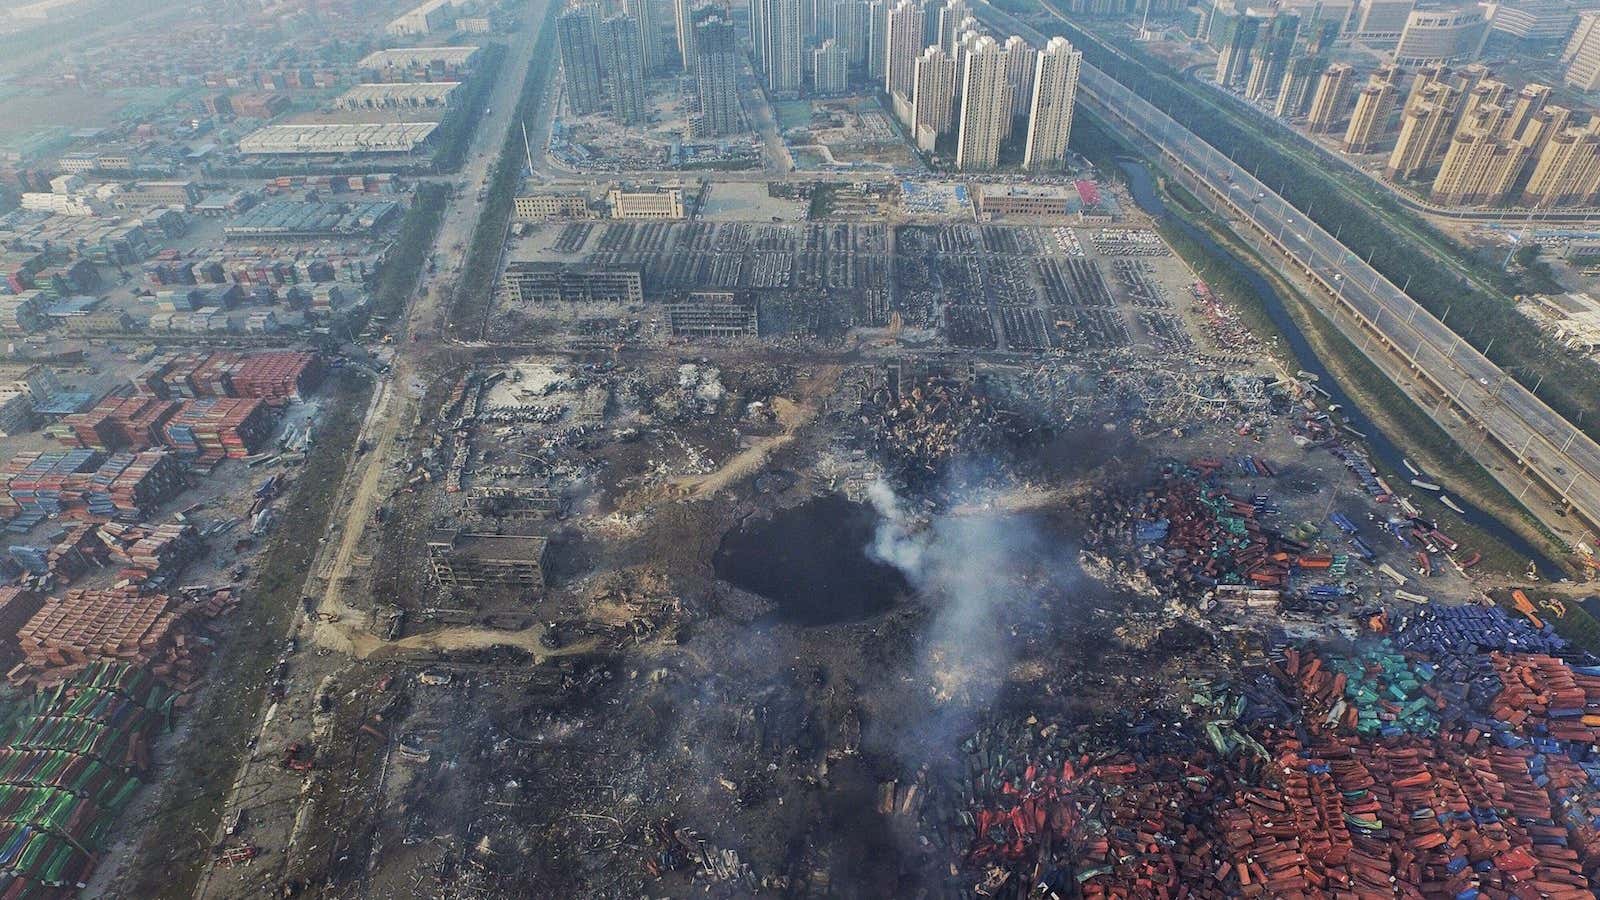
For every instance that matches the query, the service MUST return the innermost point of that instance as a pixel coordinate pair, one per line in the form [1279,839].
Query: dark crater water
[811,560]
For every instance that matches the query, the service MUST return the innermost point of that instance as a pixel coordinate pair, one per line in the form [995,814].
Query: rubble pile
[940,420]
[1192,536]
[674,849]
[73,551]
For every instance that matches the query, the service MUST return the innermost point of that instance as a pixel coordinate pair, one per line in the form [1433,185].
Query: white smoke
[980,574]
[896,542]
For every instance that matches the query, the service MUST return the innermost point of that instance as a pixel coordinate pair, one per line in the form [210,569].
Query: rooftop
[392,137]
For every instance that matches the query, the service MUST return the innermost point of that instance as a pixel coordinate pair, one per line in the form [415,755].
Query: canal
[1142,185]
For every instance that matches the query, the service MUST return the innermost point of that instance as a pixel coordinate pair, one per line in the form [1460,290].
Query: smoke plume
[984,576]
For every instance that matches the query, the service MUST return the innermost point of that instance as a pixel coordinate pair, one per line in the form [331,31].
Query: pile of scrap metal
[1192,536]
[673,848]
[940,420]
[1456,768]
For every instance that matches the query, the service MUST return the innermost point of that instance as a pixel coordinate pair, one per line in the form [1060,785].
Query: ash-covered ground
[730,683]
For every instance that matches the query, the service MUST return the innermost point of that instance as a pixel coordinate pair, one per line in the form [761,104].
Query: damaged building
[550,282]
[713,314]
[471,561]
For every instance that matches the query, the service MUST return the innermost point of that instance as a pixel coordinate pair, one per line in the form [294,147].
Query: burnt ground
[766,724]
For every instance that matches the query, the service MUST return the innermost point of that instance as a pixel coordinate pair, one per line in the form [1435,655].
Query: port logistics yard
[841,532]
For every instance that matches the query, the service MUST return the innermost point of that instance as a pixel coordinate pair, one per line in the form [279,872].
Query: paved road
[273,795]
[1565,460]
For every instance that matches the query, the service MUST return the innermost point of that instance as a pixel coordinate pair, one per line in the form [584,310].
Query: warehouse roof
[414,91]
[402,57]
[390,137]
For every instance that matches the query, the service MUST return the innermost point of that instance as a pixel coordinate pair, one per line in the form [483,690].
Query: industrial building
[296,220]
[662,203]
[537,207]
[551,282]
[712,314]
[418,63]
[426,95]
[1024,200]
[429,17]
[159,193]
[469,561]
[378,139]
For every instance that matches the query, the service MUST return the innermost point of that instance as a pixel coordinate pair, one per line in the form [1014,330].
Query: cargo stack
[1541,696]
[212,429]
[140,484]
[277,377]
[149,551]
[117,423]
[81,627]
[213,377]
[68,766]
[35,484]
[78,484]
[17,606]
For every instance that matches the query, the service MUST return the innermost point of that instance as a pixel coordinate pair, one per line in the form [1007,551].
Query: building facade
[619,42]
[1055,94]
[933,97]
[1436,36]
[1369,121]
[580,59]
[985,106]
[903,45]
[1582,54]
[830,69]
[717,76]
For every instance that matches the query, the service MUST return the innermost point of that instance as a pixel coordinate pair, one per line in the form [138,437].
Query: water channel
[1142,185]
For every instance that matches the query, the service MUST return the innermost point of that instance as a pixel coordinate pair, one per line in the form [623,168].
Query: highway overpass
[1556,454]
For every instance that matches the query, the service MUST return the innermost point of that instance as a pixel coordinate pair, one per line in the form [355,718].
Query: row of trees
[1410,257]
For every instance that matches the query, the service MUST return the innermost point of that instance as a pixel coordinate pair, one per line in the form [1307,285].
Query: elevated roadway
[1555,454]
